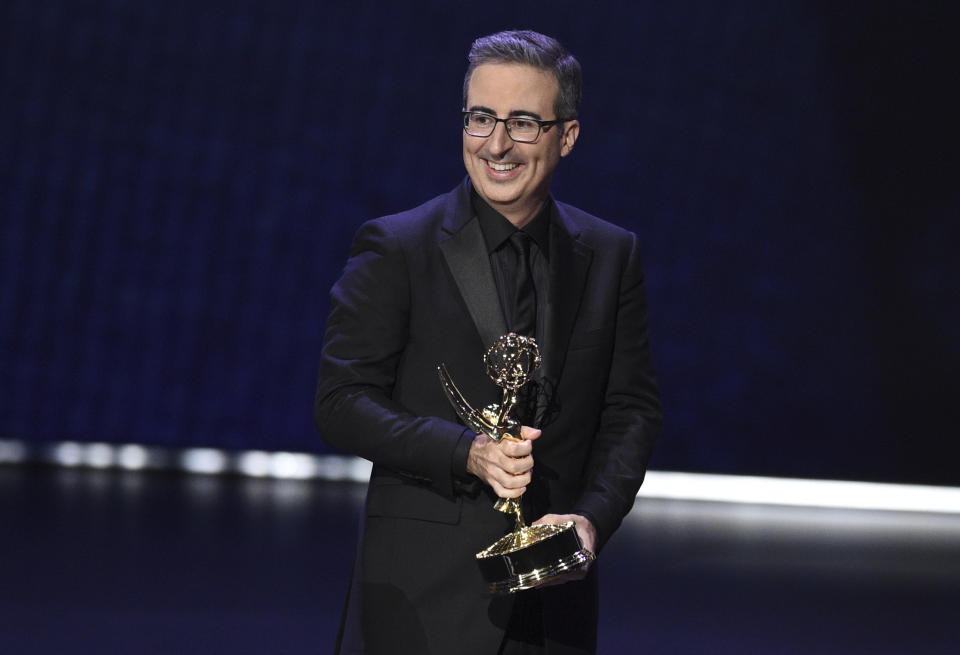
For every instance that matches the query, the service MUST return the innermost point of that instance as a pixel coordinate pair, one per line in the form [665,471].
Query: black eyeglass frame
[542,126]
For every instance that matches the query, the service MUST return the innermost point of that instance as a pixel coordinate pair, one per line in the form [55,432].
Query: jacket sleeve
[366,334]
[631,415]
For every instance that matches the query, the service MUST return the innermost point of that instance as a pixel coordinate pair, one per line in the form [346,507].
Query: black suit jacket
[417,290]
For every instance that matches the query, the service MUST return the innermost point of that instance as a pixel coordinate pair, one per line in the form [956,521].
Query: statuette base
[532,556]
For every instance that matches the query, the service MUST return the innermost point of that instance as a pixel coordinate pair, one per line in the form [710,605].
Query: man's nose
[500,141]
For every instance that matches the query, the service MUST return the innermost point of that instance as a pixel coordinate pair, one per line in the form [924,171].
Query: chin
[501,198]
[503,188]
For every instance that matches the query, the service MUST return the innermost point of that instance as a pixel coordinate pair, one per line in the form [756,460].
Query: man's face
[512,177]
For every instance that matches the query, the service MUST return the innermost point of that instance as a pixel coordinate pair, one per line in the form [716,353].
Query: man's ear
[571,130]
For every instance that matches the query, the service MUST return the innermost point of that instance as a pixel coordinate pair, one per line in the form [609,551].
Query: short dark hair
[533,49]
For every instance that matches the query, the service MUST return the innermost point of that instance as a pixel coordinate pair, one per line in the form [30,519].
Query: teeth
[501,167]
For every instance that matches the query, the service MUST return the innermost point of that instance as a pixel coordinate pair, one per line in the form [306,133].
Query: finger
[570,576]
[529,434]
[518,465]
[506,456]
[548,519]
[511,481]
[516,448]
[506,492]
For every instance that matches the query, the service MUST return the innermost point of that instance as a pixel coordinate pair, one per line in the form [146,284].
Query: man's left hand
[587,534]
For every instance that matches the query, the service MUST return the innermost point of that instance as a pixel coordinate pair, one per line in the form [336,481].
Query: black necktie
[524,315]
[525,298]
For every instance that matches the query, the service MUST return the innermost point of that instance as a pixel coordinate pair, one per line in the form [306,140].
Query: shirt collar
[497,229]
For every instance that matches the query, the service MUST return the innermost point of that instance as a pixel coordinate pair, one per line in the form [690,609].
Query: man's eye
[481,120]
[524,124]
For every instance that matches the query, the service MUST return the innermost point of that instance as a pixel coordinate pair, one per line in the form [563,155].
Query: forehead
[508,88]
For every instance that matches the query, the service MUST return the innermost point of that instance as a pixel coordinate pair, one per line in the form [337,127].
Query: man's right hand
[504,465]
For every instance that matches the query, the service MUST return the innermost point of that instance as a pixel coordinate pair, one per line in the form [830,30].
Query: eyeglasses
[520,129]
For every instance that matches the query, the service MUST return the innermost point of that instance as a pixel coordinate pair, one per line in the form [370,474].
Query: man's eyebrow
[513,113]
[485,110]
[525,112]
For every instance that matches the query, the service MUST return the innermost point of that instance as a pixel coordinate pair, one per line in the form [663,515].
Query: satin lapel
[467,258]
[569,263]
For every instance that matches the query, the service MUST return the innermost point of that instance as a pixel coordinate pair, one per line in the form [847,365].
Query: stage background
[179,184]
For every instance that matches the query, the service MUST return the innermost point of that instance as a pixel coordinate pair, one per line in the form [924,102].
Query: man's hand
[588,536]
[585,529]
[504,465]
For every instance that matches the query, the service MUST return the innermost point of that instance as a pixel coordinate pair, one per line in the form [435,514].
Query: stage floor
[118,562]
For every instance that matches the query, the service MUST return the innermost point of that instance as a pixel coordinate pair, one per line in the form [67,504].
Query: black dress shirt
[496,233]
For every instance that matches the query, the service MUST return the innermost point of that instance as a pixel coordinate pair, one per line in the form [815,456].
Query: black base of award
[532,556]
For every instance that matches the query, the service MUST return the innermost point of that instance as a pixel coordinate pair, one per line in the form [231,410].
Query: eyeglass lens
[483,125]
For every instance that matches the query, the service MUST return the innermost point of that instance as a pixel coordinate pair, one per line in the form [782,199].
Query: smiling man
[440,283]
[514,176]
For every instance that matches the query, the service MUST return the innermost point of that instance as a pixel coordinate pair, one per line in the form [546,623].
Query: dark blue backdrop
[179,183]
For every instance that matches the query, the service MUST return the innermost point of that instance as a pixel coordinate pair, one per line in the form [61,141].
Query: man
[440,283]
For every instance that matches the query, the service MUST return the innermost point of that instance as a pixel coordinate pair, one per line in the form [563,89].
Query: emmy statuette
[530,555]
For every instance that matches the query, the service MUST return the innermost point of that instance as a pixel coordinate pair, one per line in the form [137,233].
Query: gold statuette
[530,555]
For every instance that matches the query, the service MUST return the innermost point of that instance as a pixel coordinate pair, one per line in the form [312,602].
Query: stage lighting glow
[659,484]
[359,470]
[294,466]
[132,457]
[797,492]
[12,452]
[68,453]
[203,460]
[332,467]
[255,463]
[98,455]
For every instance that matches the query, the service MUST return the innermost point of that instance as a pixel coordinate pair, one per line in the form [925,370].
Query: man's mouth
[501,167]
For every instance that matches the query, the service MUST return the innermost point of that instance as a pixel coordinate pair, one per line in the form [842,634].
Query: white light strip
[99,455]
[338,467]
[255,463]
[12,452]
[203,460]
[132,457]
[68,453]
[659,484]
[807,493]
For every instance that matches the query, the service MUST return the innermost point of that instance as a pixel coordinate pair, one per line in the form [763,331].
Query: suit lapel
[569,264]
[465,252]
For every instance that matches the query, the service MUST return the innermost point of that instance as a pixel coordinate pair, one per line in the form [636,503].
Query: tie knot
[521,242]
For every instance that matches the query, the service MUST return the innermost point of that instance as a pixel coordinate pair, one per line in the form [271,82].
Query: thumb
[546,519]
[528,433]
